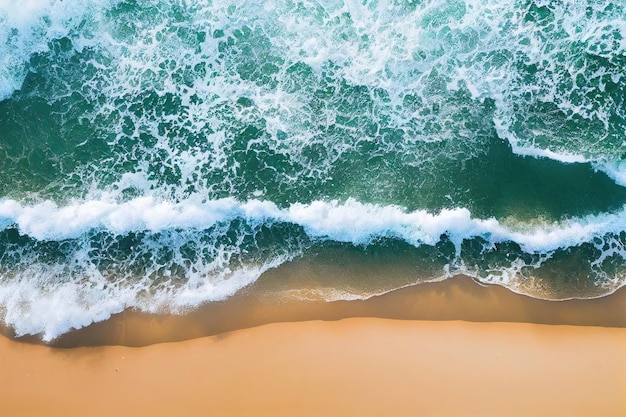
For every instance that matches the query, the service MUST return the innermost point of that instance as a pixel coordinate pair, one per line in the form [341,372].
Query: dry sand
[351,367]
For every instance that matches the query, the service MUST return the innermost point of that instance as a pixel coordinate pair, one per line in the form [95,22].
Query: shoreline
[457,298]
[448,348]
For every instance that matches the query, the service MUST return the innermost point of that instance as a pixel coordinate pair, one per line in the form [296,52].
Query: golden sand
[352,367]
[360,366]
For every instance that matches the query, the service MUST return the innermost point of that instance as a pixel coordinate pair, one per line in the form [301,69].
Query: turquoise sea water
[161,154]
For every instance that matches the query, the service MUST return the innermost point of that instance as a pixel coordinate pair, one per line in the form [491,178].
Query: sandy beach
[312,208]
[353,363]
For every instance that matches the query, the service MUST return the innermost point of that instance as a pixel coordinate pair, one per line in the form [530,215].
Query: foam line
[350,221]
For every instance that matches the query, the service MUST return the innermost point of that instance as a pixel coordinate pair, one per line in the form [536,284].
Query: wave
[351,221]
[113,256]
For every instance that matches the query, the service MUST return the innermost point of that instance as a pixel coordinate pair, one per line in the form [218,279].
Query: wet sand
[458,298]
[277,360]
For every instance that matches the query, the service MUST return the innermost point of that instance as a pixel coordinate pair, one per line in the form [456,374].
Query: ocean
[159,155]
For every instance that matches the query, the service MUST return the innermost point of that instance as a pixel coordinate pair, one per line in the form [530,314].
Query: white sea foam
[26,27]
[400,49]
[389,45]
[428,51]
[350,221]
[616,170]
[38,307]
